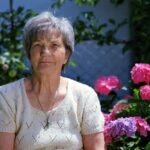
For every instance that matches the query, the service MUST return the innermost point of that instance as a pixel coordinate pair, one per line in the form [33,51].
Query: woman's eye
[37,45]
[55,46]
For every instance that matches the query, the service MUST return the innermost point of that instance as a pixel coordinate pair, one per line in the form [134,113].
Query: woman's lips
[45,61]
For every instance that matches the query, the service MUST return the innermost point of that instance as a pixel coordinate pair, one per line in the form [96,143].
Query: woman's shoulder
[10,87]
[80,88]
[9,96]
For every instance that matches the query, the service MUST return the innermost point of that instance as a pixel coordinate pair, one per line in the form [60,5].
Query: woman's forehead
[49,35]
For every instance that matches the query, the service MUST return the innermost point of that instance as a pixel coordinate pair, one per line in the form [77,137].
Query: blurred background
[111,35]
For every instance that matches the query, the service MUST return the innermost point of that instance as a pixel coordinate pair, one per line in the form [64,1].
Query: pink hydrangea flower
[107,137]
[145,92]
[119,107]
[142,126]
[105,84]
[141,73]
[118,128]
[109,117]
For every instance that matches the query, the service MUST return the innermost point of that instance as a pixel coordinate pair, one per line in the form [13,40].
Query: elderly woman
[47,111]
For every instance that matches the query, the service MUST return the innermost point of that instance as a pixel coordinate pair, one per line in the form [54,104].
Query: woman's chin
[46,71]
[45,66]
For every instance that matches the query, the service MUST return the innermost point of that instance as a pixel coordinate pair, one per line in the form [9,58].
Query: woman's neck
[45,84]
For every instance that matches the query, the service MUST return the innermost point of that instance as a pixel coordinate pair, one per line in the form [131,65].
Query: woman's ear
[67,56]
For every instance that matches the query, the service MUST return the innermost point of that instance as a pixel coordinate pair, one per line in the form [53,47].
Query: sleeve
[92,119]
[7,114]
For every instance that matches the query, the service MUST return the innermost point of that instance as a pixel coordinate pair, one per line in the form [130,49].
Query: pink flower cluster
[105,84]
[118,128]
[119,107]
[112,123]
[145,92]
[125,126]
[109,117]
[142,126]
[115,127]
[141,73]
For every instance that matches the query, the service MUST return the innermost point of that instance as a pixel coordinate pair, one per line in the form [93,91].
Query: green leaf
[126,48]
[112,21]
[148,146]
[117,2]
[122,23]
[90,2]
[12,73]
[137,148]
[57,4]
[19,10]
[88,15]
[136,93]
[72,63]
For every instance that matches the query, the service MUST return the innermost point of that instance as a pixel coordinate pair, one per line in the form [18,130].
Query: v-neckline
[39,110]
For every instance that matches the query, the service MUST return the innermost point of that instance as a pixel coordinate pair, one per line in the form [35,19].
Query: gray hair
[43,23]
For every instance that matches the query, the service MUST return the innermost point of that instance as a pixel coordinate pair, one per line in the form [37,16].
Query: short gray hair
[43,23]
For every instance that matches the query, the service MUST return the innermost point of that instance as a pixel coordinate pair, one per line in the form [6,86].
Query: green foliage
[140,108]
[72,63]
[117,2]
[126,143]
[60,3]
[11,47]
[148,146]
[136,93]
[86,24]
[140,32]
[93,29]
[91,2]
[136,108]
[88,27]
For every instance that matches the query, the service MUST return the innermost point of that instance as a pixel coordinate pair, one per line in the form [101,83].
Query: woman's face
[48,54]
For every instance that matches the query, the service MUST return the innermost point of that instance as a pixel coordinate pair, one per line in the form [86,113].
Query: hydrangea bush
[127,125]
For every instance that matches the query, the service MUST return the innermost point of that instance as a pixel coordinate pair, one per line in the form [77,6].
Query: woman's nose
[46,51]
